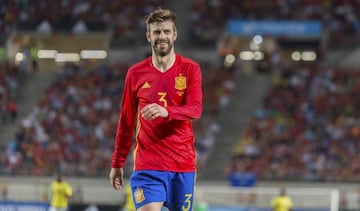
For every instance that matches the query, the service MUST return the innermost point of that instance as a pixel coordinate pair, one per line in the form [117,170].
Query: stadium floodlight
[229,60]
[93,54]
[308,56]
[296,56]
[46,54]
[258,55]
[19,57]
[67,57]
[258,39]
[246,55]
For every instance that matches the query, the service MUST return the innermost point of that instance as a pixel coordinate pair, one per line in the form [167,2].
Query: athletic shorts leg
[180,191]
[176,190]
[148,186]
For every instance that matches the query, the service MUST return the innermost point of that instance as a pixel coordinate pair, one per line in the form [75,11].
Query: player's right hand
[153,111]
[116,178]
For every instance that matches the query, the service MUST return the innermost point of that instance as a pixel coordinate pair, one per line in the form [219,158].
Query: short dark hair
[160,15]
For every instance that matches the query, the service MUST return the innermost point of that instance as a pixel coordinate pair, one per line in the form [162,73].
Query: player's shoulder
[186,60]
[140,65]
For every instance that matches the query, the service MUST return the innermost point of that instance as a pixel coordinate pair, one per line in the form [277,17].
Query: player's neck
[164,63]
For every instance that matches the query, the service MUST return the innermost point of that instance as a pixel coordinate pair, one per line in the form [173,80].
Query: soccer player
[162,96]
[60,193]
[282,202]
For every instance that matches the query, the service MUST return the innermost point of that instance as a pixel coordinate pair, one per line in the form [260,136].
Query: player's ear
[148,36]
[175,34]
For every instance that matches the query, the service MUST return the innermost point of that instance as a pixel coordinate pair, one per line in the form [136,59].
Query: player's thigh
[148,187]
[153,206]
[181,191]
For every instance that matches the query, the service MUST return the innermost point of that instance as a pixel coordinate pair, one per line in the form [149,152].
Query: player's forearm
[124,133]
[118,159]
[187,112]
[122,148]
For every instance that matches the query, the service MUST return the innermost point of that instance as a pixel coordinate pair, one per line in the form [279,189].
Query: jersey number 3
[162,98]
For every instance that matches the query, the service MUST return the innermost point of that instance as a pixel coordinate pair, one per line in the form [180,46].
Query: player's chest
[165,88]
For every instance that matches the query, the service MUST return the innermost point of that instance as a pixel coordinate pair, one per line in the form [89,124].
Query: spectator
[61,191]
[282,202]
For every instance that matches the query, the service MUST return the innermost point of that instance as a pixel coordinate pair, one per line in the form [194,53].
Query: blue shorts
[176,190]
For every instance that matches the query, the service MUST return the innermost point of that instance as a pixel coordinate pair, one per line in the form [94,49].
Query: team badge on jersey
[139,195]
[180,82]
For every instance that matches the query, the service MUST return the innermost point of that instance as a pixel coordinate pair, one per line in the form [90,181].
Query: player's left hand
[153,111]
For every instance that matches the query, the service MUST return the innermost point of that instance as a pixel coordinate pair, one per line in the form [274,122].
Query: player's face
[162,36]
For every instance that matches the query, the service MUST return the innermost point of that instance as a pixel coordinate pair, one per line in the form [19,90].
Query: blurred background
[281,81]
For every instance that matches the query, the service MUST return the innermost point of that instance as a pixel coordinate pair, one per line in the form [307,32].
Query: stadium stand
[125,18]
[340,17]
[306,128]
[68,124]
[9,82]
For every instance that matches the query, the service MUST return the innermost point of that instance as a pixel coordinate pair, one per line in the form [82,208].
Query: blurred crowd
[125,18]
[72,126]
[307,127]
[339,17]
[9,83]
[207,17]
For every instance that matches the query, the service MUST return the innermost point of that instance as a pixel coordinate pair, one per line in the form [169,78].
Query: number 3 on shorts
[188,202]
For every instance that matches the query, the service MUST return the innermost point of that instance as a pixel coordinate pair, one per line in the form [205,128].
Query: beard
[162,51]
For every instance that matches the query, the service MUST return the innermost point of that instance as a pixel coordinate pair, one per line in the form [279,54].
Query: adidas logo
[146,85]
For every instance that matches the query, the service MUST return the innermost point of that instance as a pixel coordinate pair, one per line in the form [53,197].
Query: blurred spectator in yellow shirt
[129,203]
[61,191]
[282,202]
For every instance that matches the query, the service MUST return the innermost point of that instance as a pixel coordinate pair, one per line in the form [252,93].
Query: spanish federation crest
[180,82]
[139,195]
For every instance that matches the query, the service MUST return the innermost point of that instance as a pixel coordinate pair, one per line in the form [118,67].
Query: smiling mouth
[162,45]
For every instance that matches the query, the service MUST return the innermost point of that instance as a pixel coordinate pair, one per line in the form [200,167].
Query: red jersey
[161,144]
